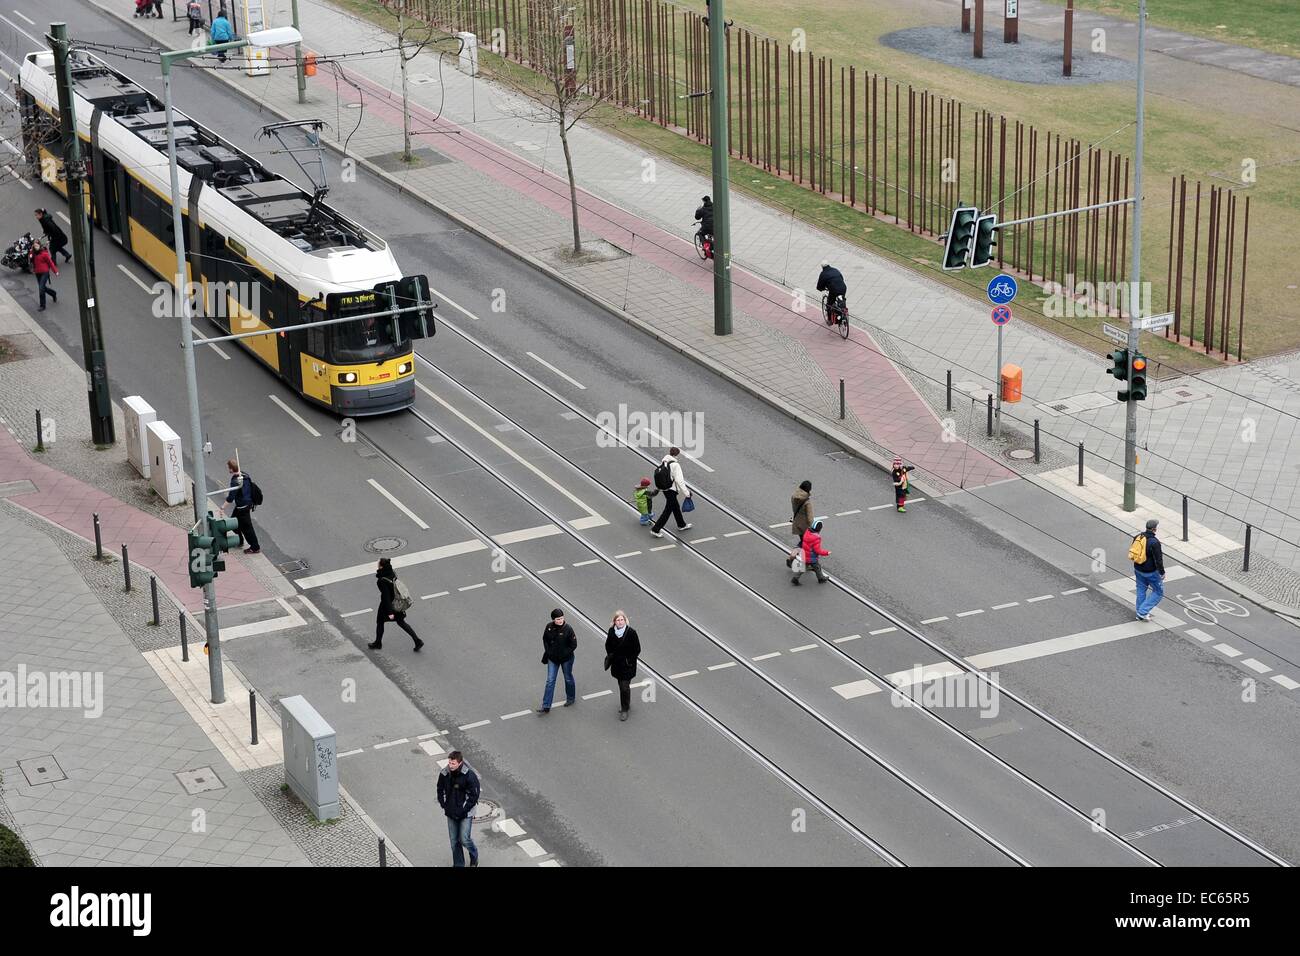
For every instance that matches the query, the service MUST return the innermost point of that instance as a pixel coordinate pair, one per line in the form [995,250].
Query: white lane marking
[311,607]
[511,452]
[433,748]
[292,620]
[1227,650]
[766,657]
[434,733]
[397,504]
[477,723]
[7,77]
[1003,607]
[429,597]
[783,524]
[591,521]
[508,826]
[1285,681]
[513,577]
[583,564]
[1128,586]
[473,587]
[712,537]
[148,290]
[883,630]
[682,674]
[846,638]
[599,693]
[1041,597]
[64,216]
[203,340]
[1073,591]
[626,554]
[663,547]
[17,178]
[878,507]
[392,743]
[364,610]
[549,863]
[1200,635]
[558,567]
[295,416]
[845,514]
[857,688]
[970,613]
[517,713]
[531,847]
[11,147]
[1257,666]
[935,620]
[803,647]
[915,501]
[919,674]
[736,534]
[568,378]
[719,667]
[24,18]
[352,753]
[421,557]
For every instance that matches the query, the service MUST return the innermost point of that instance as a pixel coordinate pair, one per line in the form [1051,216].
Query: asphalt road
[671,786]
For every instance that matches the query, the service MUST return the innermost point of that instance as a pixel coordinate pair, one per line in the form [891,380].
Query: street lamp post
[278,36]
[1135,270]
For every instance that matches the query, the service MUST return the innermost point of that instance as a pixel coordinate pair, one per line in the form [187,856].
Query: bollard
[185,641]
[1037,448]
[1184,517]
[194,497]
[841,399]
[40,432]
[126,568]
[153,592]
[252,713]
[99,542]
[1080,464]
[990,415]
[949,389]
[1245,564]
[383,853]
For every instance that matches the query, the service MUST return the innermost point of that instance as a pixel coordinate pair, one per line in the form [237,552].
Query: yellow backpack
[1137,551]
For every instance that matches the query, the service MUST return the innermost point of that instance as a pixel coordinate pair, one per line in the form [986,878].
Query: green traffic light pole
[721,196]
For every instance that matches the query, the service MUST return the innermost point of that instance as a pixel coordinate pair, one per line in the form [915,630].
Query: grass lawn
[1267,24]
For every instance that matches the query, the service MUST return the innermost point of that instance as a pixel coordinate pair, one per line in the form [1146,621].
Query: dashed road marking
[473,587]
[364,610]
[845,514]
[429,597]
[766,657]
[433,748]
[970,613]
[846,638]
[718,667]
[711,537]
[682,674]
[1227,650]
[1257,666]
[626,554]
[599,693]
[558,567]
[803,647]
[509,828]
[531,847]
[392,743]
[935,620]
[1200,635]
[296,417]
[882,630]
[663,547]
[517,713]
[477,723]
[349,753]
[780,524]
[513,577]
[1041,597]
[1073,591]
[583,564]
[878,507]
[1003,607]
[1285,681]
[736,534]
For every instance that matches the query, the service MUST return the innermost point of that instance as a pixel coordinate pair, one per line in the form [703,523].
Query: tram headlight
[403,368]
[348,378]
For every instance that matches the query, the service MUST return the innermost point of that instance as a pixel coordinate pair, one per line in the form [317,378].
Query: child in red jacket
[43,266]
[812,553]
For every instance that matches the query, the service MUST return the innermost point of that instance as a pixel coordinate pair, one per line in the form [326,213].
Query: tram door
[284,311]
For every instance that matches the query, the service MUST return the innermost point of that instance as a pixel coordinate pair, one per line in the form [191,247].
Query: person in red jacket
[812,553]
[43,266]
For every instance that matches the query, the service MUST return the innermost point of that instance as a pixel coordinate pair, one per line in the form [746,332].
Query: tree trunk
[406,97]
[573,186]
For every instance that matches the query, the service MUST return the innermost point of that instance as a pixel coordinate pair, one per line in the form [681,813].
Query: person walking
[813,552]
[558,646]
[243,495]
[622,648]
[43,267]
[1149,569]
[643,497]
[157,9]
[221,32]
[194,10]
[902,483]
[670,480]
[801,516]
[394,602]
[458,790]
[56,240]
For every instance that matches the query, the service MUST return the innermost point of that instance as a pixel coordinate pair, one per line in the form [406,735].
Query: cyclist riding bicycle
[831,281]
[705,215]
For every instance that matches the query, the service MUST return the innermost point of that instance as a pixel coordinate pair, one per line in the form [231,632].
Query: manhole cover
[293,567]
[383,545]
[1020,454]
[199,781]
[42,770]
[485,809]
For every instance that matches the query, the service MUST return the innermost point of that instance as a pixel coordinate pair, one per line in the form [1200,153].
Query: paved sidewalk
[505,174]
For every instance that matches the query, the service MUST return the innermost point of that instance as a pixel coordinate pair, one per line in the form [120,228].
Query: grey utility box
[311,766]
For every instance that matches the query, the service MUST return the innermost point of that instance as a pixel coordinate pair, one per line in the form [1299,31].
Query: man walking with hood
[458,791]
[670,480]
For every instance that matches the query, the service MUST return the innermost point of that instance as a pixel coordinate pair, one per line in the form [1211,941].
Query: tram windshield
[366,340]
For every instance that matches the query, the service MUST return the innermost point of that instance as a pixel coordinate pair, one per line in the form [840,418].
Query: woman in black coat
[386,579]
[56,238]
[622,648]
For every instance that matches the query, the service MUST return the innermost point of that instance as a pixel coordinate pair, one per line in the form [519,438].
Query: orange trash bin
[1012,378]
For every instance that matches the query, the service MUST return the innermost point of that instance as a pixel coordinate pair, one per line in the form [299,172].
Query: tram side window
[152,213]
[316,336]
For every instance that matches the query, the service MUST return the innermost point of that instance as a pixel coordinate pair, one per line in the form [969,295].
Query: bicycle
[836,315]
[703,246]
[1198,608]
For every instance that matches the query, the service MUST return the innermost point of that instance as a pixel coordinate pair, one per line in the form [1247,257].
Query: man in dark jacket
[705,215]
[56,240]
[1150,573]
[831,281]
[241,496]
[558,644]
[801,512]
[458,791]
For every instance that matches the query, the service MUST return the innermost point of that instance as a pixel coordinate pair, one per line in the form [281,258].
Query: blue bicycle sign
[1002,289]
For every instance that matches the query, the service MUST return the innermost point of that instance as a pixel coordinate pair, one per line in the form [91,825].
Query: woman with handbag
[801,517]
[622,648]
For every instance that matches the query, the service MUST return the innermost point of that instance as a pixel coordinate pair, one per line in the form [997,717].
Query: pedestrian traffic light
[986,237]
[961,233]
[199,557]
[1137,383]
[1119,368]
[224,537]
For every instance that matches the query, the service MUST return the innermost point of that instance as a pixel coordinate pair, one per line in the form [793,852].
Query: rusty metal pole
[1010,21]
[965,15]
[1068,38]
[979,29]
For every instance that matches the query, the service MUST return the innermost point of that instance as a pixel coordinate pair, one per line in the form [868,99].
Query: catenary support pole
[718,101]
[1135,271]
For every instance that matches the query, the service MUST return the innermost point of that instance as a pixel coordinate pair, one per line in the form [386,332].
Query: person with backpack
[801,516]
[194,10]
[902,483]
[1148,559]
[622,648]
[458,792]
[813,552]
[245,496]
[643,498]
[559,644]
[670,480]
[394,602]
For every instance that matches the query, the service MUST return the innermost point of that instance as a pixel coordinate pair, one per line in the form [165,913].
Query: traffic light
[1137,383]
[961,233]
[986,237]
[1119,368]
[199,557]
[224,537]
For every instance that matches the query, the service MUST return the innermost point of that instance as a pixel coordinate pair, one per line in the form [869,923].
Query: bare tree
[572,64]
[23,165]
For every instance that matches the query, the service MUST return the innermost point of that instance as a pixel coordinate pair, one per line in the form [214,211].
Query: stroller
[19,253]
